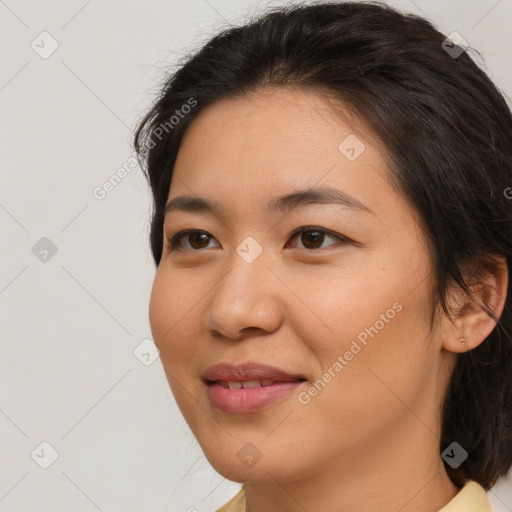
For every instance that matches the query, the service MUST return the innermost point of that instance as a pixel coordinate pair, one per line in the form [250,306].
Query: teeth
[251,384]
[245,384]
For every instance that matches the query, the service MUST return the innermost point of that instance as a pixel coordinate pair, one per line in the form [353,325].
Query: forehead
[249,148]
[289,121]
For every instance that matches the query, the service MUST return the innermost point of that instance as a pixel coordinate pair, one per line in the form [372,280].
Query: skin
[370,440]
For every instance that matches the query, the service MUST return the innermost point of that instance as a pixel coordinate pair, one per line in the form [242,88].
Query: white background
[70,325]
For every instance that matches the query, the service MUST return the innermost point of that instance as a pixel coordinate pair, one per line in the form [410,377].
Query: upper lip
[247,371]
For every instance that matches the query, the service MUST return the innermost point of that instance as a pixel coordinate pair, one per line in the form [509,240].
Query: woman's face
[342,309]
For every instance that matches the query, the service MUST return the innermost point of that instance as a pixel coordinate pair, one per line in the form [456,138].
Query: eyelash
[175,239]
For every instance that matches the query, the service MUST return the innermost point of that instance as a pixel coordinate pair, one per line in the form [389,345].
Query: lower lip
[250,399]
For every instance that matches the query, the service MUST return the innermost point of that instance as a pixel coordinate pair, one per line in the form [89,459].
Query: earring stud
[463,341]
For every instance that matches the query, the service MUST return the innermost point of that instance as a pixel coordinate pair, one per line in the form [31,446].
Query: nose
[247,298]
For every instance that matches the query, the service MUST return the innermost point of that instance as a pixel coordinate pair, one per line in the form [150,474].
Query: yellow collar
[471,498]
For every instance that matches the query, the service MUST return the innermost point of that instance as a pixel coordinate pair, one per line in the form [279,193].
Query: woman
[333,239]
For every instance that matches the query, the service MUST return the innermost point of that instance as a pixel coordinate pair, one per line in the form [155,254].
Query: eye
[199,239]
[312,237]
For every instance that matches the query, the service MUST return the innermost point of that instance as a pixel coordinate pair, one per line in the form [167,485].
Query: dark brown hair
[447,131]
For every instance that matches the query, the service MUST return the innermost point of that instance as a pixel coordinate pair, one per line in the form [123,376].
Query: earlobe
[477,316]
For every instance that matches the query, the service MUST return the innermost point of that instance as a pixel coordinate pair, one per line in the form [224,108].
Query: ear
[475,317]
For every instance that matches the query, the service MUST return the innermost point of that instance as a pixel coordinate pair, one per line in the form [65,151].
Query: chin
[237,466]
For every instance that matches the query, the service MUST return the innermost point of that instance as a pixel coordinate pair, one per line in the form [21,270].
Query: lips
[248,374]
[248,387]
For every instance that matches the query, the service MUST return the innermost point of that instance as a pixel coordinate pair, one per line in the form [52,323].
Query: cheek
[161,308]
[375,325]
[344,305]
[383,366]
[170,317]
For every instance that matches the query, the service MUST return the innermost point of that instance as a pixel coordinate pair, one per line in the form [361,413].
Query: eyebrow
[284,203]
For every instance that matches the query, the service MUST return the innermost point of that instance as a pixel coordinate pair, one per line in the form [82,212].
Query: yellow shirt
[471,498]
